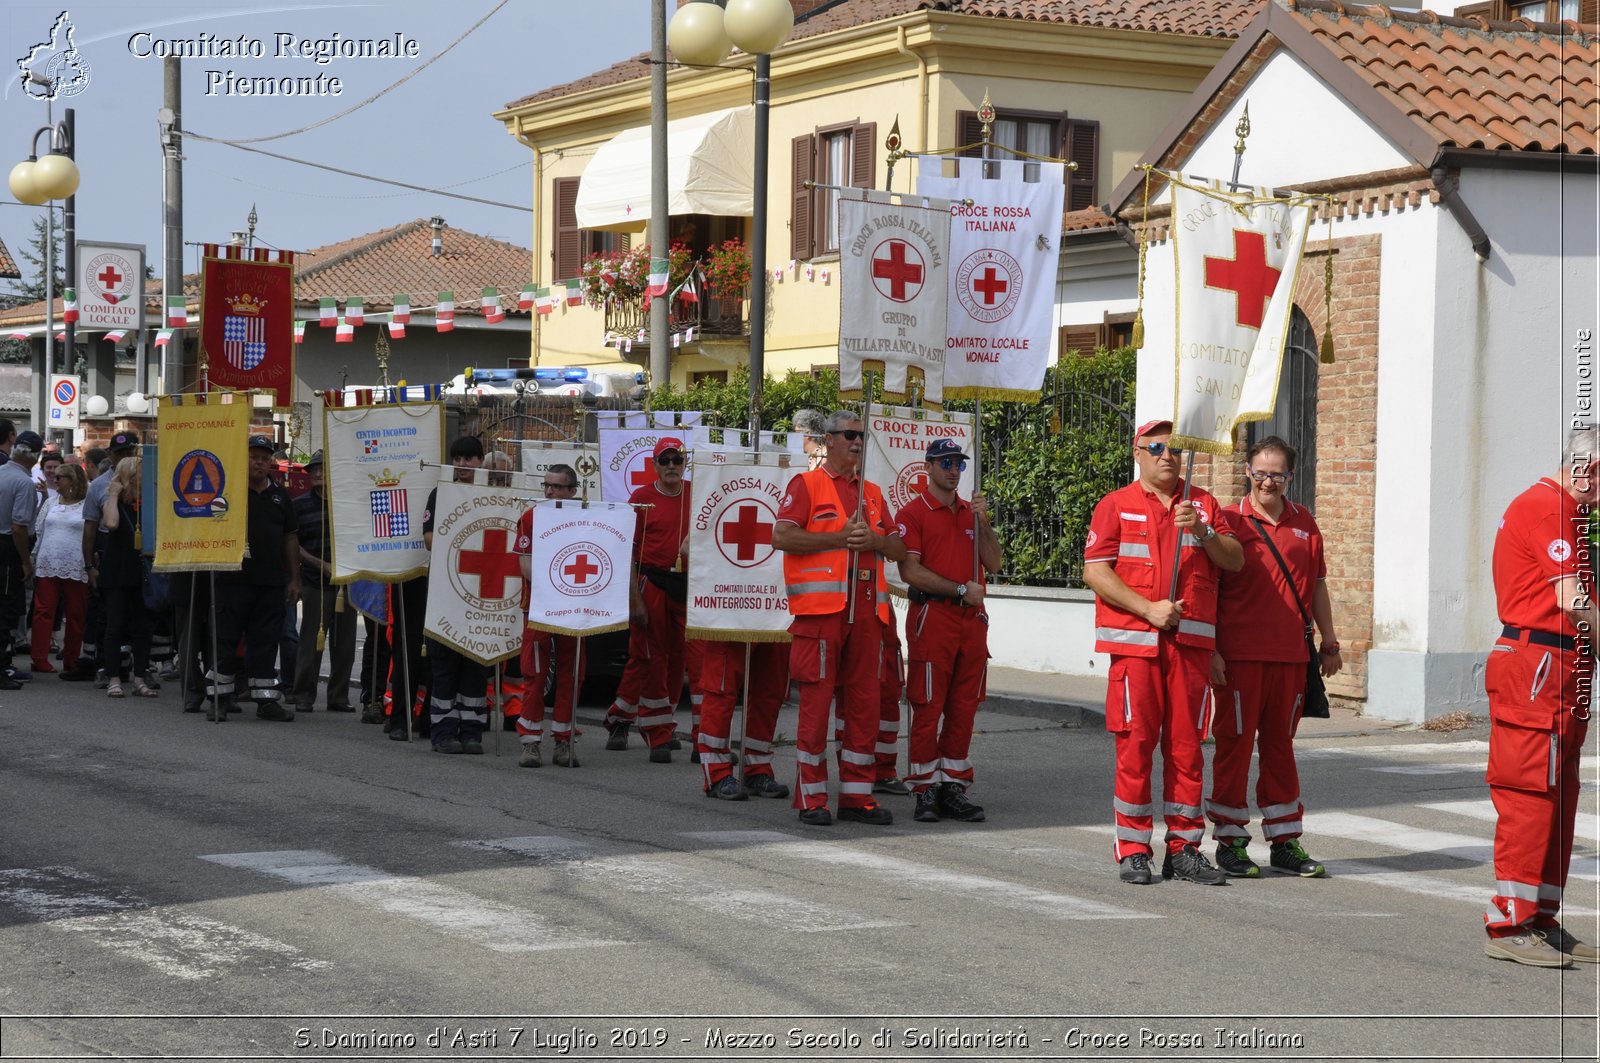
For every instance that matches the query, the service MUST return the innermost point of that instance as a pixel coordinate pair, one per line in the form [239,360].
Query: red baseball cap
[666,443]
[1150,426]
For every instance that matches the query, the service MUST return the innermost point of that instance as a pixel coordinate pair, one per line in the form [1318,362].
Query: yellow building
[1094,81]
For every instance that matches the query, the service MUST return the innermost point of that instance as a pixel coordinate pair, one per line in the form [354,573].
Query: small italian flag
[299,333]
[444,315]
[116,335]
[397,328]
[69,305]
[355,311]
[525,300]
[345,332]
[16,335]
[574,291]
[402,309]
[544,300]
[177,312]
[164,337]
[689,293]
[492,313]
[328,311]
[656,282]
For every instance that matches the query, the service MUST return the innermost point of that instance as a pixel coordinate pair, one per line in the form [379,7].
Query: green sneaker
[1234,858]
[1291,858]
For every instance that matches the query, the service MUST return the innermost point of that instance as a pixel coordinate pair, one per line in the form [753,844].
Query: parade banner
[475,579]
[203,482]
[1236,257]
[714,444]
[647,418]
[893,291]
[374,457]
[627,459]
[247,321]
[1001,324]
[538,455]
[736,586]
[582,563]
[897,440]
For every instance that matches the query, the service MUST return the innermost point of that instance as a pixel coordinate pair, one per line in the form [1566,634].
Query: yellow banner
[203,466]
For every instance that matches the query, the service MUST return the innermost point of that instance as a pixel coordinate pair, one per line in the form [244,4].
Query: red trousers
[844,661]
[72,597]
[1538,717]
[1260,706]
[1162,700]
[543,652]
[653,678]
[945,677]
[891,684]
[694,656]
[722,679]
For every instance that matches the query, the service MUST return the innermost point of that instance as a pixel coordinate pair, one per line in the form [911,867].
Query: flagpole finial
[1242,131]
[381,350]
[986,116]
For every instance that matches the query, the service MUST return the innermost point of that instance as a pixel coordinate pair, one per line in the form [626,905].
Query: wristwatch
[961,591]
[1210,533]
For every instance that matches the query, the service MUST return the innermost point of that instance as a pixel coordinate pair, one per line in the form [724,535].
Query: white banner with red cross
[1002,275]
[1236,257]
[582,567]
[538,455]
[897,442]
[627,460]
[736,588]
[894,288]
[475,578]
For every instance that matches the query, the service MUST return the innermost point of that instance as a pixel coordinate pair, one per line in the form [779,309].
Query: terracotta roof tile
[400,259]
[8,265]
[1087,219]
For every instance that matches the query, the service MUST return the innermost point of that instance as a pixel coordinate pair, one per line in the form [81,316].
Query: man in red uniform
[722,678]
[948,630]
[1258,674]
[655,644]
[1540,680]
[835,532]
[1160,646]
[544,650]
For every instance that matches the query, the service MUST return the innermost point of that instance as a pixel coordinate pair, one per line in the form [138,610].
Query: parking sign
[65,391]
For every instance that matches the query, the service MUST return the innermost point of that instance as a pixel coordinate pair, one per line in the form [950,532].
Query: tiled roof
[1471,83]
[8,265]
[401,259]
[1086,220]
[1211,18]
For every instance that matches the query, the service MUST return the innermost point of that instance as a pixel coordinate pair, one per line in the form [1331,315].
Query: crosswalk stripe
[178,944]
[1427,769]
[1470,747]
[1585,825]
[456,912]
[652,875]
[1411,839]
[909,874]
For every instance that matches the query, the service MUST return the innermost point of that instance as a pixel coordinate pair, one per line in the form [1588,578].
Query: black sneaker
[927,805]
[618,735]
[764,786]
[694,758]
[1189,863]
[1135,869]
[341,708]
[19,675]
[78,673]
[891,784]
[816,817]
[449,745]
[7,683]
[727,788]
[398,734]
[217,713]
[273,710]
[658,754]
[953,804]
[473,746]
[871,812]
[371,715]
[194,703]
[1291,858]
[675,745]
[1233,858]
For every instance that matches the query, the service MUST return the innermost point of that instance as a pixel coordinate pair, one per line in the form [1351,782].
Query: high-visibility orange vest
[819,583]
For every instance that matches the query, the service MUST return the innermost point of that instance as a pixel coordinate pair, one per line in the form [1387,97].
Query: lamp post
[700,35]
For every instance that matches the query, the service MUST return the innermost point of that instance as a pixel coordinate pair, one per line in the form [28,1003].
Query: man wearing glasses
[655,641]
[948,631]
[835,531]
[1160,647]
[544,650]
[1258,673]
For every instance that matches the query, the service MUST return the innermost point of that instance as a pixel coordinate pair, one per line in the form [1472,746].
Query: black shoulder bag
[1316,698]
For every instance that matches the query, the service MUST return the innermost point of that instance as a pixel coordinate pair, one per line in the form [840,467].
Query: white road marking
[654,875]
[1389,834]
[1426,769]
[909,874]
[178,944]
[495,926]
[1469,747]
[1585,826]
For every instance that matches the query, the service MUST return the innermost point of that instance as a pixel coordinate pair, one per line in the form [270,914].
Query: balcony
[710,316]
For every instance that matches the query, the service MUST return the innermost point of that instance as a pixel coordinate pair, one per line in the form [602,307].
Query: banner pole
[744,711]
[977,486]
[577,670]
[186,644]
[499,707]
[861,496]
[1177,547]
[404,694]
[216,659]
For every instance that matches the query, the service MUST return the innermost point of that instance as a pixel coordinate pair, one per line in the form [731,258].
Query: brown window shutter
[969,131]
[802,223]
[863,155]
[568,252]
[1485,9]
[1081,338]
[1589,12]
[1083,148]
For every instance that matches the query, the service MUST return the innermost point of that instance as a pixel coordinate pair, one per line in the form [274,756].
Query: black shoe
[1135,869]
[398,734]
[81,672]
[891,784]
[871,812]
[674,745]
[816,817]
[272,710]
[450,745]
[305,708]
[510,724]
[20,675]
[927,805]
[473,746]
[658,754]
[1190,863]
[370,715]
[194,703]
[694,758]
[341,708]
[7,683]
[727,788]
[953,804]
[217,713]
[617,735]
[764,786]
[1291,858]
[1233,858]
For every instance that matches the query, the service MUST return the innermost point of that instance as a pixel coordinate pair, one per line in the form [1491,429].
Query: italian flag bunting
[444,314]
[688,292]
[69,305]
[355,311]
[164,337]
[525,300]
[544,300]
[116,335]
[299,334]
[328,310]
[177,312]
[492,312]
[656,282]
[402,309]
[397,328]
[345,332]
[574,291]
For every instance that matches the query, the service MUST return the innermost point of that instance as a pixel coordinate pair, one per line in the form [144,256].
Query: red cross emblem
[643,475]
[580,569]
[897,270]
[109,277]
[747,529]
[1247,276]
[990,285]
[494,565]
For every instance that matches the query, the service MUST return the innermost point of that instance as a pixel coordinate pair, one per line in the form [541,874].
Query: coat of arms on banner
[247,320]
[375,456]
[391,516]
[475,579]
[736,585]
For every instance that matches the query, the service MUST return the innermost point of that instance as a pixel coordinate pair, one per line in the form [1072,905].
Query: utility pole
[171,121]
[660,346]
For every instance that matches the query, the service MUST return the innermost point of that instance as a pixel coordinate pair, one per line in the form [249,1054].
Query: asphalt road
[177,889]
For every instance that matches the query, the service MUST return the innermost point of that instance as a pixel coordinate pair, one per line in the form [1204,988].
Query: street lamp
[700,35]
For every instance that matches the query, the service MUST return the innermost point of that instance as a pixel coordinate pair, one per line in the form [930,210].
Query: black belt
[1538,638]
[920,597]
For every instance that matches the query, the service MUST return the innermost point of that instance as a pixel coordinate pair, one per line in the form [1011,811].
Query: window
[835,155]
[1055,136]
[572,244]
[1584,11]
[1295,416]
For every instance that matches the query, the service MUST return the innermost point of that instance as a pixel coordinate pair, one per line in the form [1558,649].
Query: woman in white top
[59,577]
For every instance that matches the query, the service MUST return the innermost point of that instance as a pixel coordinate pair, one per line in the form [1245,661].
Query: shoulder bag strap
[1284,568]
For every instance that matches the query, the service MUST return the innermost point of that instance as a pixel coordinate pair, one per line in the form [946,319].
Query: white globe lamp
[97,406]
[137,403]
[56,176]
[758,27]
[696,35]
[24,186]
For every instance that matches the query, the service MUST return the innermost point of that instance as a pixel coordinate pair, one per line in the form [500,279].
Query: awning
[710,164]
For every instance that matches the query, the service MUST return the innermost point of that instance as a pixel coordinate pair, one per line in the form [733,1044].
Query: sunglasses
[1158,449]
[559,487]
[953,463]
[850,435]
[664,460]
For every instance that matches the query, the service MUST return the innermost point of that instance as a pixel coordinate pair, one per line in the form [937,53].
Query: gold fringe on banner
[1327,292]
[574,632]
[1137,339]
[717,634]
